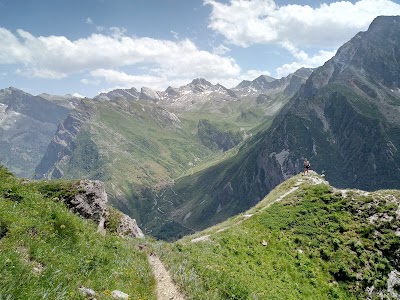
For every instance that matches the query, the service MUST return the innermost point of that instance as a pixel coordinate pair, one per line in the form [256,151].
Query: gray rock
[119,295]
[393,284]
[91,201]
[129,228]
[87,292]
[149,94]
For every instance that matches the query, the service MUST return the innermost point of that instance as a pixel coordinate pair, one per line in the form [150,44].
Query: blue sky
[90,46]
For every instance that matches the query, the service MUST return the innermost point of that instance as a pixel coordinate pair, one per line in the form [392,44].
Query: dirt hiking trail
[166,289]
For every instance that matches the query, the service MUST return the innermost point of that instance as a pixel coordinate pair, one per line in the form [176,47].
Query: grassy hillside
[46,252]
[305,240]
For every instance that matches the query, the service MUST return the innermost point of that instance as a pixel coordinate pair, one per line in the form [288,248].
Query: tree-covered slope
[305,240]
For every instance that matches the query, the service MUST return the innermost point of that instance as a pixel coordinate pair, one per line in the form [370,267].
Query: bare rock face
[91,201]
[128,228]
[149,94]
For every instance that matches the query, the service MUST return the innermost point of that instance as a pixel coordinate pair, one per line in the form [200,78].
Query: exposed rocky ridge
[196,94]
[269,86]
[69,101]
[127,94]
[27,125]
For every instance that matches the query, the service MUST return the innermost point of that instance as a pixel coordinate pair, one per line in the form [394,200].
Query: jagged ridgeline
[305,240]
[345,119]
[48,252]
[139,142]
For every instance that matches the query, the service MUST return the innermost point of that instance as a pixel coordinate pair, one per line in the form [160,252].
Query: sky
[91,46]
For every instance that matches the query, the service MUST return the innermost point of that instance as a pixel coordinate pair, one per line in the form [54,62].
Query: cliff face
[27,125]
[63,143]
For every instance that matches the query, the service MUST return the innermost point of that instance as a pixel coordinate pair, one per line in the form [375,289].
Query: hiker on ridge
[306,166]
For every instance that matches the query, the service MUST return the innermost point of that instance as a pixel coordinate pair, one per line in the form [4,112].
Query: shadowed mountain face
[345,119]
[27,125]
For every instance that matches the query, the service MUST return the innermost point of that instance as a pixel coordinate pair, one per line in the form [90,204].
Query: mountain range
[215,171]
[186,158]
[137,143]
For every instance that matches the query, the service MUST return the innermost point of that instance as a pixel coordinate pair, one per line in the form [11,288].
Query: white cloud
[249,22]
[303,59]
[57,56]
[221,50]
[41,73]
[88,20]
[175,34]
[90,81]
[123,80]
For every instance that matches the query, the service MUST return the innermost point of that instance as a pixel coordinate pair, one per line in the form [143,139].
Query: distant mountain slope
[27,125]
[345,119]
[131,145]
[139,142]
[305,240]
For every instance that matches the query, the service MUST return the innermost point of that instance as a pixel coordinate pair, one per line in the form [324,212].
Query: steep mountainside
[27,125]
[305,240]
[139,142]
[131,145]
[345,120]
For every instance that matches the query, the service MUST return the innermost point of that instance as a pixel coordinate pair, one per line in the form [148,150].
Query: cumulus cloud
[303,59]
[88,20]
[58,57]
[123,80]
[250,22]
[221,50]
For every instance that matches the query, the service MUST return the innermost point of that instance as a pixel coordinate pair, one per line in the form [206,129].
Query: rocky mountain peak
[149,94]
[172,92]
[264,78]
[12,91]
[371,52]
[384,23]
[201,82]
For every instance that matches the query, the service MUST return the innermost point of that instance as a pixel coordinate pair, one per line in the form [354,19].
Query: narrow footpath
[166,289]
[247,216]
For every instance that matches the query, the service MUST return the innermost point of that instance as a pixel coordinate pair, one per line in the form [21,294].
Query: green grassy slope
[46,252]
[314,243]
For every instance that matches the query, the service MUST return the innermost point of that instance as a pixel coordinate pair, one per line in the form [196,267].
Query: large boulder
[90,202]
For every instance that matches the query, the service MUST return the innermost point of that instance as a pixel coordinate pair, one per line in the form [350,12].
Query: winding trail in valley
[166,289]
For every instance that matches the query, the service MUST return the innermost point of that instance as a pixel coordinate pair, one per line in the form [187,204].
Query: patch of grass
[46,252]
[314,244]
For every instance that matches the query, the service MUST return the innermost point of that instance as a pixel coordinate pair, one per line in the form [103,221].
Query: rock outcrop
[129,228]
[91,202]
[149,94]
